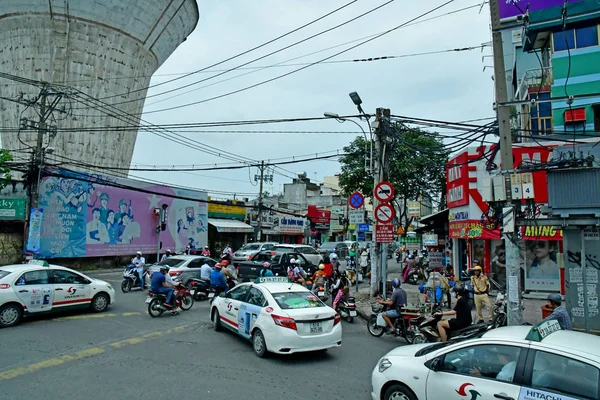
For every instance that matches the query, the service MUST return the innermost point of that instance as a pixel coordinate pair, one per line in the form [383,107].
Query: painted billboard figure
[96,232]
[129,230]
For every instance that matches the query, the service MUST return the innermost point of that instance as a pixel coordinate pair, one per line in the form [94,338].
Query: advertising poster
[35,224]
[91,216]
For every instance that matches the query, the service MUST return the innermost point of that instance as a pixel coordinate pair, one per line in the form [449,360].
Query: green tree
[417,160]
[5,177]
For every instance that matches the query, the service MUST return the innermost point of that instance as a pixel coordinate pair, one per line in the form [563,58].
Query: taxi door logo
[71,291]
[462,391]
[229,306]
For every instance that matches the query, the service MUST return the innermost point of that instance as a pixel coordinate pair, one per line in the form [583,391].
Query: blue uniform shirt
[267,273]
[217,279]
[157,280]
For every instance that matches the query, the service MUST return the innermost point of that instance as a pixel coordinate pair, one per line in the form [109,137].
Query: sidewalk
[531,314]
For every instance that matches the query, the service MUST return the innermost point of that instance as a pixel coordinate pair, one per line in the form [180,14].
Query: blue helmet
[396,283]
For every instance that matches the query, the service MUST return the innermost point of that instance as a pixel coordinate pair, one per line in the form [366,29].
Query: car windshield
[328,246]
[294,300]
[272,258]
[431,348]
[172,262]
[282,249]
[3,273]
[250,247]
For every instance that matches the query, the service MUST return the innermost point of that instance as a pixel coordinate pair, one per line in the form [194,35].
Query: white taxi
[511,363]
[38,287]
[277,316]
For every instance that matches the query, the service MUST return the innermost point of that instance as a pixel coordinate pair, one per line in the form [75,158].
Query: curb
[362,314]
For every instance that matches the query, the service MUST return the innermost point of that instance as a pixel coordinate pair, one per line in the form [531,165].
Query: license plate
[211,295]
[192,292]
[148,300]
[321,294]
[353,313]
[316,327]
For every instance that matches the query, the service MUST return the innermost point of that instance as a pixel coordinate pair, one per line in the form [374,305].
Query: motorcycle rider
[335,262]
[462,312]
[166,255]
[266,271]
[205,271]
[160,285]
[398,300]
[559,313]
[351,269]
[228,273]
[319,277]
[481,287]
[217,280]
[340,296]
[342,281]
[299,273]
[205,252]
[138,263]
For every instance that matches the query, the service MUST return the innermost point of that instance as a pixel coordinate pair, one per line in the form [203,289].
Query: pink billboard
[89,215]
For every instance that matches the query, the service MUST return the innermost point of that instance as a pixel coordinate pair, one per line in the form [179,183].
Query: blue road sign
[357,200]
[361,236]
[363,227]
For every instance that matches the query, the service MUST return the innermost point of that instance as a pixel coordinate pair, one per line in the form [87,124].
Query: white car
[250,250]
[308,252]
[179,264]
[39,287]
[277,316]
[516,362]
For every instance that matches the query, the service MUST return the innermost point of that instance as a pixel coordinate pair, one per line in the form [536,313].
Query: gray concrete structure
[105,48]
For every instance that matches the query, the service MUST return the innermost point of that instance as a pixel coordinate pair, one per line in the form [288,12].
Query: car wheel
[187,302]
[100,302]
[373,328]
[399,392]
[258,343]
[217,321]
[10,315]
[126,286]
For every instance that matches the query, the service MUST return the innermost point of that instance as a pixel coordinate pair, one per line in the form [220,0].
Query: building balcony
[533,78]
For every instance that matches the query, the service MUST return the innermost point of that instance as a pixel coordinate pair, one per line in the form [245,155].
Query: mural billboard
[87,215]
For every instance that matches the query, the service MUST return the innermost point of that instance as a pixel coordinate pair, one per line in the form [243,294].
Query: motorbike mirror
[434,364]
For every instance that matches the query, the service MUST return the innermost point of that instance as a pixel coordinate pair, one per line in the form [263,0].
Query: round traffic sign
[356,200]
[384,192]
[384,213]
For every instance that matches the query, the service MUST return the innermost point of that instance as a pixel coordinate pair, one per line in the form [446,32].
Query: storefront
[227,226]
[472,239]
[12,227]
[320,220]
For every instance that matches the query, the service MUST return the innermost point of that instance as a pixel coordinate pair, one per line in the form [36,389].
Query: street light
[357,101]
[367,139]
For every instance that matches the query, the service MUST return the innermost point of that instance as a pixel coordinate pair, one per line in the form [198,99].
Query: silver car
[307,251]
[249,250]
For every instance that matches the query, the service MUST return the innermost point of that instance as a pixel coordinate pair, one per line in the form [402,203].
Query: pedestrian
[559,313]
[481,287]
[364,262]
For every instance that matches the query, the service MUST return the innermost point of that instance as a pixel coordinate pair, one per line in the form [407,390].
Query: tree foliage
[5,177]
[417,162]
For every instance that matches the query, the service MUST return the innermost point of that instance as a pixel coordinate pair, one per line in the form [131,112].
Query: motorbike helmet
[333,256]
[347,258]
[266,265]
[206,247]
[224,263]
[139,253]
[321,267]
[396,283]
[555,298]
[459,290]
[164,268]
[478,268]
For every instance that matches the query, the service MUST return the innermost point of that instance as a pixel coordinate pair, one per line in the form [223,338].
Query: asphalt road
[124,353]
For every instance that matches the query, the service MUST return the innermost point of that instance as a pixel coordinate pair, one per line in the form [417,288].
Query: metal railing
[534,77]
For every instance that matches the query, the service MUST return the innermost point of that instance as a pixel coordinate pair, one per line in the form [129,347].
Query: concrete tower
[100,47]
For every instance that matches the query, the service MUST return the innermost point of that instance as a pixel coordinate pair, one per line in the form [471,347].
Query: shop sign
[473,230]
[321,218]
[436,259]
[291,225]
[12,208]
[541,233]
[231,209]
[457,181]
[430,240]
[414,209]
[336,213]
[458,215]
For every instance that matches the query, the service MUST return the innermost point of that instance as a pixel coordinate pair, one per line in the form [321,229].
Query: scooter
[413,275]
[131,279]
[428,333]
[347,308]
[405,326]
[181,294]
[320,292]
[500,318]
[199,288]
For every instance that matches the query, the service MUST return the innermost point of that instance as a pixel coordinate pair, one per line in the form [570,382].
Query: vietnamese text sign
[35,227]
[435,259]
[541,233]
[512,8]
[414,209]
[364,227]
[356,217]
[235,210]
[384,233]
[336,213]
[291,225]
[430,240]
[12,208]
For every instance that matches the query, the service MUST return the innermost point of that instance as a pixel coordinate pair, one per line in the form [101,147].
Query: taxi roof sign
[41,263]
[543,330]
[272,279]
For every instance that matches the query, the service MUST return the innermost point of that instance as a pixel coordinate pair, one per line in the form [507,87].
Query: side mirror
[434,365]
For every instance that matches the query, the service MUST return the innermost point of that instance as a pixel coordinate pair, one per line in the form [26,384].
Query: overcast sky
[451,86]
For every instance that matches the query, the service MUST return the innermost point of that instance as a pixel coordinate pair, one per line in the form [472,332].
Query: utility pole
[385,120]
[261,178]
[513,263]
[41,129]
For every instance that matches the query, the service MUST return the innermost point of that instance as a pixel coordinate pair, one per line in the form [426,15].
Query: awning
[230,225]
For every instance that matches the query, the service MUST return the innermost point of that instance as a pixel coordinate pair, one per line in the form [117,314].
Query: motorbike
[404,326]
[320,292]
[428,333]
[131,279]
[183,299]
[199,288]
[347,308]
[413,275]
[500,317]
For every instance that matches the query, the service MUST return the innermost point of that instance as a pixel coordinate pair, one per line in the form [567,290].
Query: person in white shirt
[166,255]
[299,274]
[205,271]
[139,262]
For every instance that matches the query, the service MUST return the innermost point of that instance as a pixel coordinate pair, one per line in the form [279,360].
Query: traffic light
[157,212]
[163,226]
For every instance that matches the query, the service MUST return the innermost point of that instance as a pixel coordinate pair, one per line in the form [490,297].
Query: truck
[249,270]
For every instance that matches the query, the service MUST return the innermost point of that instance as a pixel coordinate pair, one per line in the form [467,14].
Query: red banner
[471,229]
[319,216]
[541,233]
